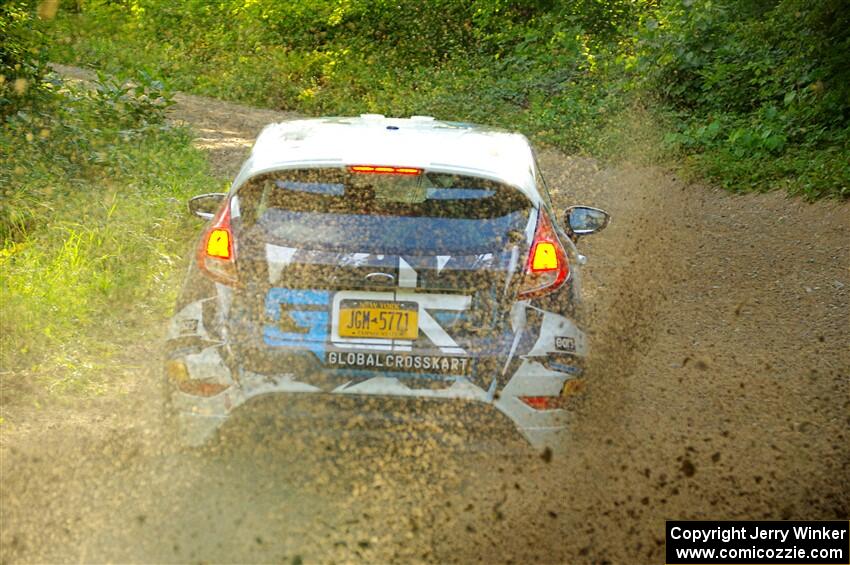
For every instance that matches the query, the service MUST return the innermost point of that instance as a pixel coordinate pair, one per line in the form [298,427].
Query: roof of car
[372,139]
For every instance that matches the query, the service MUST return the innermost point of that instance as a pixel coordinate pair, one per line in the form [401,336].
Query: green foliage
[81,133]
[23,58]
[750,91]
[517,64]
[762,89]
[92,220]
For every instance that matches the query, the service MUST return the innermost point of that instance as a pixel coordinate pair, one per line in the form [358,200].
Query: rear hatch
[402,273]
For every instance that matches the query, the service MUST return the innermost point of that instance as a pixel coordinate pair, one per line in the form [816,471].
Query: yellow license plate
[378,319]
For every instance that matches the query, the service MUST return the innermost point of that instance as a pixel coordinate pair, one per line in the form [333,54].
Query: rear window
[334,209]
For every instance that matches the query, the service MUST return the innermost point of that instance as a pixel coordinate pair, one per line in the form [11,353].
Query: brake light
[544,257]
[217,253]
[547,268]
[384,170]
[218,244]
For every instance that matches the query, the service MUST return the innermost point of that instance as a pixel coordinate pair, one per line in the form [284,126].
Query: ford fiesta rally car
[377,257]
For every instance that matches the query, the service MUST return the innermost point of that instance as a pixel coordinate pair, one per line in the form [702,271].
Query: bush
[750,91]
[76,133]
[23,58]
[506,63]
[760,87]
[762,83]
[92,221]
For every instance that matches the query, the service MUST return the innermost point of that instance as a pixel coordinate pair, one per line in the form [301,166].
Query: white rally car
[379,257]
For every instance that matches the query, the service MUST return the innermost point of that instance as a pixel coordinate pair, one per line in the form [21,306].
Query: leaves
[738,80]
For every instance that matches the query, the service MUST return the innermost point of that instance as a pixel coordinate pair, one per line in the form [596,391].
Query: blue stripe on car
[315,322]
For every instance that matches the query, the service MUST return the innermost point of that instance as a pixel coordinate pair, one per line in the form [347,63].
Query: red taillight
[384,170]
[217,251]
[542,402]
[547,268]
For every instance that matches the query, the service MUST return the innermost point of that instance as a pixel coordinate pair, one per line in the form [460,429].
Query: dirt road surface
[719,388]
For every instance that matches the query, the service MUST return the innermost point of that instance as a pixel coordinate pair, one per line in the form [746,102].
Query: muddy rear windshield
[334,209]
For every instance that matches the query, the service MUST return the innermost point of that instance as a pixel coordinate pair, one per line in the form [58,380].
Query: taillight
[384,170]
[217,251]
[219,244]
[201,388]
[542,402]
[547,268]
[178,373]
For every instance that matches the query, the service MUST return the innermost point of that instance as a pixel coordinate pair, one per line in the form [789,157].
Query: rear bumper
[199,418]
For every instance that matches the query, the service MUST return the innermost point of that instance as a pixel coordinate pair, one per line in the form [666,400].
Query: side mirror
[584,220]
[206,205]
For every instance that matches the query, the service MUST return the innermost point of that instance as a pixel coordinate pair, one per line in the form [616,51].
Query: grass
[94,231]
